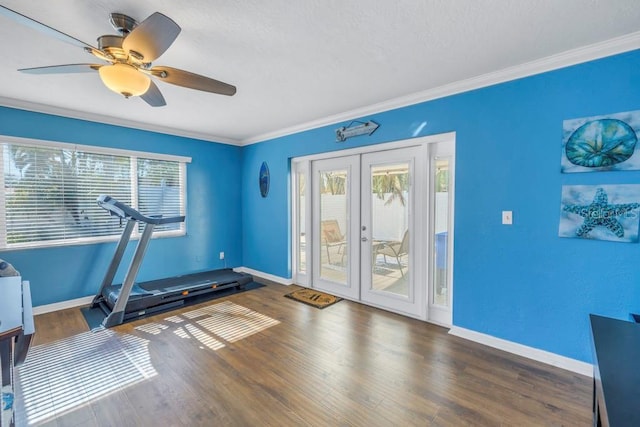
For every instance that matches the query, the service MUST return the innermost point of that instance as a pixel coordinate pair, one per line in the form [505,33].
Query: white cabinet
[16,331]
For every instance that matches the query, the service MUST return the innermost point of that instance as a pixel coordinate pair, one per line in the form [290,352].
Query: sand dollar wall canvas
[601,143]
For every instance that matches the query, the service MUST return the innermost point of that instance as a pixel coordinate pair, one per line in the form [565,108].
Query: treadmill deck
[155,292]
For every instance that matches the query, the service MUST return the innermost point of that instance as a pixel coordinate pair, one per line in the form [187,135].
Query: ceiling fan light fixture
[124,79]
[128,57]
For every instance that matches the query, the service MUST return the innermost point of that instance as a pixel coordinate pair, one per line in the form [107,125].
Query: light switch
[507,217]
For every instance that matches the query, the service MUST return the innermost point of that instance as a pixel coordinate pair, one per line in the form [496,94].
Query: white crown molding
[565,59]
[99,118]
[271,277]
[552,359]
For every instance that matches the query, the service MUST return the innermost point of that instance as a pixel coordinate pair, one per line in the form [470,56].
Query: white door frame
[427,244]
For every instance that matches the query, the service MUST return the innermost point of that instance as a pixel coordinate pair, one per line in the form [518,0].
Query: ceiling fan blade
[153,96]
[32,23]
[193,81]
[152,37]
[60,69]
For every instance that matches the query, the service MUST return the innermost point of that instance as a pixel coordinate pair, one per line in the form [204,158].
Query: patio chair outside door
[397,250]
[332,237]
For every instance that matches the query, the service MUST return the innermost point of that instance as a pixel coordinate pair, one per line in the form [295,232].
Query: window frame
[133,157]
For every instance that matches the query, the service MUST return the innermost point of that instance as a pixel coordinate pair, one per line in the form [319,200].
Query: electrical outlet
[221,255]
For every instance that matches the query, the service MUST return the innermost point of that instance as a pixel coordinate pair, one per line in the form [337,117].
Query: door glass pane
[301,222]
[390,228]
[334,245]
[441,238]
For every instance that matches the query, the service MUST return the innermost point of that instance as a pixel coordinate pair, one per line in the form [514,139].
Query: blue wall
[522,282]
[213,210]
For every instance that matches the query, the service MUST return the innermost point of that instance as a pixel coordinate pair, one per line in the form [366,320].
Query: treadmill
[131,300]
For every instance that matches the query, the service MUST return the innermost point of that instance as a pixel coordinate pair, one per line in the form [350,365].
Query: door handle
[364,239]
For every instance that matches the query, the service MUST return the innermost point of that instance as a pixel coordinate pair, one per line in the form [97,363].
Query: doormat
[312,297]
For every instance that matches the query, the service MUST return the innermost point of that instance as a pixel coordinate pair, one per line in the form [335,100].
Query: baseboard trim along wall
[271,277]
[63,305]
[553,359]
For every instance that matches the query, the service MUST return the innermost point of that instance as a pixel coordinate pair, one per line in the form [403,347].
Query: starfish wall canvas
[601,143]
[600,212]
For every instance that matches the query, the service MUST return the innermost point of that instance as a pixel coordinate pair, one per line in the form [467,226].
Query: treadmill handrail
[125,211]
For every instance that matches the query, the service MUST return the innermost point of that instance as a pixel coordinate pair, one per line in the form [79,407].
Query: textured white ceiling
[295,62]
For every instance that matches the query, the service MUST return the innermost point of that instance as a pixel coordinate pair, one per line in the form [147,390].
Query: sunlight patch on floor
[174,319]
[63,375]
[234,322]
[151,328]
[204,338]
[214,325]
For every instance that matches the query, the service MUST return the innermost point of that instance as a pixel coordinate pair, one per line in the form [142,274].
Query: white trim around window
[50,189]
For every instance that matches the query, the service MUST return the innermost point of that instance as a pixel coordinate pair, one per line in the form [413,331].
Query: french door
[367,211]
[391,214]
[336,220]
[377,227]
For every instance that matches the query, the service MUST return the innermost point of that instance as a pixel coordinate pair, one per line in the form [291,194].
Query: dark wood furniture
[16,331]
[616,372]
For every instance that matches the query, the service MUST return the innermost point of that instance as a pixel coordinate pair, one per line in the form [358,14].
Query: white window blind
[159,191]
[50,192]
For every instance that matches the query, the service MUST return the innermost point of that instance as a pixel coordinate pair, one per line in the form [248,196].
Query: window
[50,191]
[159,191]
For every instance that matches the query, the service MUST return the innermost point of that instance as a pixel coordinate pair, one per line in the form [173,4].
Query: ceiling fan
[126,68]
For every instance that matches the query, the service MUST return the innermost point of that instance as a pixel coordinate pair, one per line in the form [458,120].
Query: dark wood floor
[258,359]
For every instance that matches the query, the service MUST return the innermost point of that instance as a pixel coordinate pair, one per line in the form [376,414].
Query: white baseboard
[553,359]
[48,308]
[277,279]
